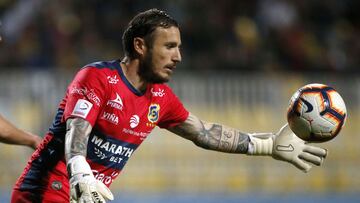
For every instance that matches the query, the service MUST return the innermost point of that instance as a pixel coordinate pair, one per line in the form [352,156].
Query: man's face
[161,58]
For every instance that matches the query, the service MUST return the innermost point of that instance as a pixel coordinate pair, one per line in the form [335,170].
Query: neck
[130,69]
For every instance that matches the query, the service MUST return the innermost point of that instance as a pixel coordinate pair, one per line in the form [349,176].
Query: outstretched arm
[10,134]
[284,145]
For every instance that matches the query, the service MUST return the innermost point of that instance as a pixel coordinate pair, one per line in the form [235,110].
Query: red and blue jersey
[121,117]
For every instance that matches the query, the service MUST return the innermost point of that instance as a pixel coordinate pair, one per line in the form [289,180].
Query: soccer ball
[316,113]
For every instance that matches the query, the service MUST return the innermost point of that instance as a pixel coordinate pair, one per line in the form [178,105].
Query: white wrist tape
[78,165]
[260,144]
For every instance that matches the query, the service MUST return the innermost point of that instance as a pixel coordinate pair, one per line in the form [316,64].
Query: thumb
[104,190]
[284,131]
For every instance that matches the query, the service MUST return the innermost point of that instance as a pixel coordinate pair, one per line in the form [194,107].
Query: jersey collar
[126,81]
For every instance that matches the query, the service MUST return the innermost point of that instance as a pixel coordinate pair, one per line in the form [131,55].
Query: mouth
[170,67]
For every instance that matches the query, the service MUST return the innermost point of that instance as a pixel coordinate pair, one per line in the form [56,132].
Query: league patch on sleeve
[82,108]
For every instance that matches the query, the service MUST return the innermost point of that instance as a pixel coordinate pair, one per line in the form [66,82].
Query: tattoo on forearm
[243,143]
[77,136]
[213,136]
[222,138]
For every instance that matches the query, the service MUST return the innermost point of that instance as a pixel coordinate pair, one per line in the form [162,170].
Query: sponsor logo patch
[116,103]
[113,79]
[82,108]
[111,117]
[158,93]
[90,94]
[141,135]
[107,179]
[109,152]
[56,185]
[134,121]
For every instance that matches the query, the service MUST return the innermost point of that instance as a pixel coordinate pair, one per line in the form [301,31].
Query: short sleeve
[175,112]
[86,94]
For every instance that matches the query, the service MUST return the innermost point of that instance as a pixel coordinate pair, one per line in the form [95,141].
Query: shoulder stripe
[104,64]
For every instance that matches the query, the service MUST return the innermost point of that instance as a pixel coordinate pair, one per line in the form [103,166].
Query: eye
[170,45]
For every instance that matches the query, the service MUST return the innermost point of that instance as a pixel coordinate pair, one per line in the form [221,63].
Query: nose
[177,56]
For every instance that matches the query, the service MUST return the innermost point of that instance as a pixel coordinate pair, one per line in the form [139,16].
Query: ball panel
[300,126]
[337,103]
[332,119]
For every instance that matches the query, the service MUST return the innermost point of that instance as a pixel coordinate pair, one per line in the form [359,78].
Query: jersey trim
[104,64]
[115,64]
[57,126]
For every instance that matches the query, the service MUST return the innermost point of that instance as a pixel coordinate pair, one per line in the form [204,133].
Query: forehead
[171,34]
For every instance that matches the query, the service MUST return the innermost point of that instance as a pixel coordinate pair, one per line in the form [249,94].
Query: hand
[35,140]
[84,188]
[288,147]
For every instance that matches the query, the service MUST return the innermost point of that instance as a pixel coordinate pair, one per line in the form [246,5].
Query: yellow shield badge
[154,111]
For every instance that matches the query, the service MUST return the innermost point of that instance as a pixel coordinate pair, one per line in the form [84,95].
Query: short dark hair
[143,25]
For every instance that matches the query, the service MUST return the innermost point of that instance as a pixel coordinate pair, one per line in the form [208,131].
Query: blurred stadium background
[242,61]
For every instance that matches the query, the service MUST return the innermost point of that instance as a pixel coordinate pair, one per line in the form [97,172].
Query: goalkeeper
[110,107]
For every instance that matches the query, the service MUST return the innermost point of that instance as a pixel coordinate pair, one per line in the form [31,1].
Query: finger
[302,165]
[104,190]
[317,151]
[311,158]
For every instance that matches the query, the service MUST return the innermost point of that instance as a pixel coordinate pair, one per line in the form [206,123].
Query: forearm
[76,137]
[16,136]
[10,134]
[222,138]
[213,136]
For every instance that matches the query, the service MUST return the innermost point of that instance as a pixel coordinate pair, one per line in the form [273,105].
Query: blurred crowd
[299,35]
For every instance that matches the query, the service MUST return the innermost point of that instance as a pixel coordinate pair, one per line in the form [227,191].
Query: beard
[146,70]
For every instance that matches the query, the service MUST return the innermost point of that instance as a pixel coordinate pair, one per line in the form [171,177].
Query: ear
[139,46]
